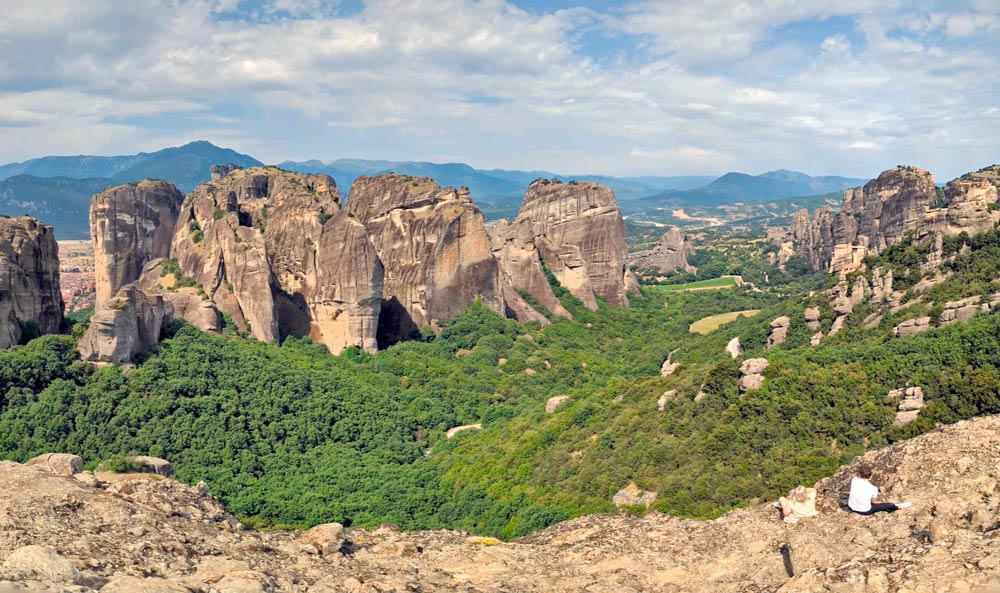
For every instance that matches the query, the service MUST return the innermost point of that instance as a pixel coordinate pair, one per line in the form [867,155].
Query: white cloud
[699,85]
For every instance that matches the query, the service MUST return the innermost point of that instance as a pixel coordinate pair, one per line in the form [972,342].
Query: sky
[643,87]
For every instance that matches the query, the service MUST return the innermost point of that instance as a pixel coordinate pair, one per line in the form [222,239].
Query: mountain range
[57,189]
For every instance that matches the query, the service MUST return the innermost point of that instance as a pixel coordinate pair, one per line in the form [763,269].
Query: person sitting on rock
[800,504]
[863,498]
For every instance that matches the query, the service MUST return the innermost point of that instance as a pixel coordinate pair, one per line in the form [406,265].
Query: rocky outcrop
[575,232]
[143,526]
[127,326]
[217,172]
[911,401]
[130,225]
[669,255]
[734,349]
[30,299]
[554,402]
[962,309]
[912,326]
[870,219]
[274,250]
[521,266]
[752,374]
[632,495]
[63,464]
[812,317]
[779,331]
[435,250]
[666,396]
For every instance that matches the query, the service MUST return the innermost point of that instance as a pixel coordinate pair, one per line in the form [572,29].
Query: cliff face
[128,325]
[899,201]
[273,250]
[30,298]
[84,531]
[575,230]
[130,225]
[434,247]
[670,254]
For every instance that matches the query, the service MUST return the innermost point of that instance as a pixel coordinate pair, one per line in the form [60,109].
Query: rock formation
[870,219]
[435,250]
[670,254]
[217,172]
[752,374]
[575,232]
[273,250]
[912,326]
[779,331]
[632,495]
[127,325]
[733,348]
[911,401]
[555,402]
[900,201]
[30,300]
[85,536]
[130,225]
[812,317]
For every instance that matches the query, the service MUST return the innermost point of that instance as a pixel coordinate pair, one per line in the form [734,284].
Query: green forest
[288,435]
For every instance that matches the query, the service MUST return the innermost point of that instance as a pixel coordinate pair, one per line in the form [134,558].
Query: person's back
[862,493]
[863,498]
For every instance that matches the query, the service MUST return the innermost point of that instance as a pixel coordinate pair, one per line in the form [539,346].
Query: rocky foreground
[141,533]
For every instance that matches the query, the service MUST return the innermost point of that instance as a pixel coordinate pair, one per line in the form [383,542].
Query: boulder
[324,540]
[63,464]
[632,495]
[816,338]
[244,581]
[40,563]
[912,326]
[555,402]
[31,301]
[962,310]
[668,368]
[127,326]
[435,249]
[130,225]
[779,332]
[752,374]
[155,465]
[910,404]
[661,404]
[734,349]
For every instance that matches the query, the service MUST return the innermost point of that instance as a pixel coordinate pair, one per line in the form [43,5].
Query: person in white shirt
[863,498]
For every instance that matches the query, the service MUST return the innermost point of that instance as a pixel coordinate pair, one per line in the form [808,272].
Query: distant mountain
[60,202]
[740,187]
[184,166]
[57,189]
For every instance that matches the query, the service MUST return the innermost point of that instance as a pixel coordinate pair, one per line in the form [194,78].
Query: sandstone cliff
[126,326]
[273,250]
[576,232]
[30,300]
[900,201]
[143,534]
[670,254]
[435,250]
[130,225]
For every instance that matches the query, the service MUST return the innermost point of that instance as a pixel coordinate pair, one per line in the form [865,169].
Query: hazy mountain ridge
[736,187]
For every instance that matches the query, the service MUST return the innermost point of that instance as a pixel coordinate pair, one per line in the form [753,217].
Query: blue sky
[665,87]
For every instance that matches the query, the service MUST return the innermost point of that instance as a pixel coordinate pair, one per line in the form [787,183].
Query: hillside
[86,531]
[59,201]
[57,190]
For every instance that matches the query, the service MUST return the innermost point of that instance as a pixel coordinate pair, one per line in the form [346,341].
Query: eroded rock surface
[130,225]
[573,230]
[670,254]
[129,324]
[433,244]
[179,539]
[30,300]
